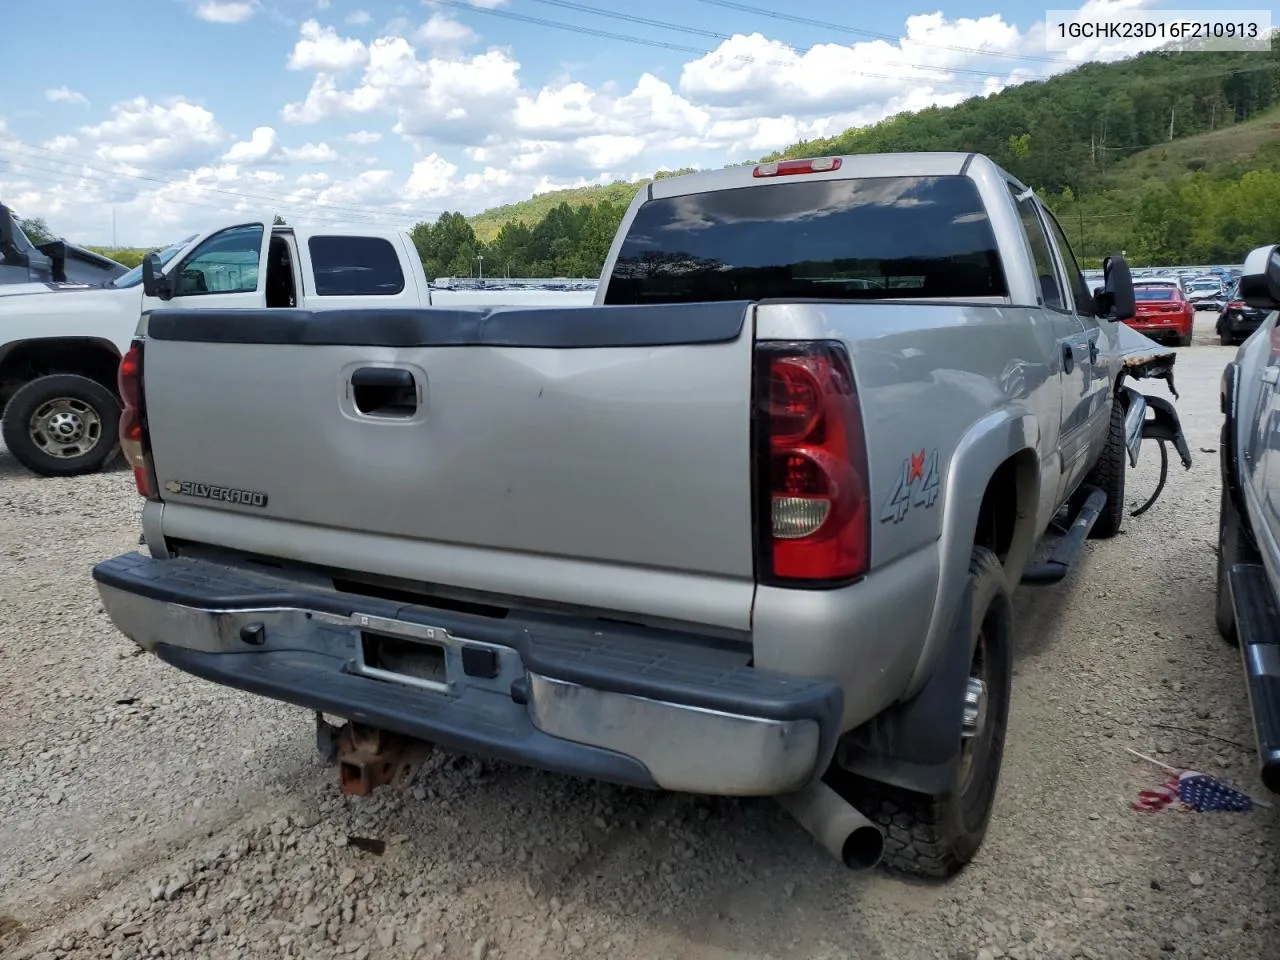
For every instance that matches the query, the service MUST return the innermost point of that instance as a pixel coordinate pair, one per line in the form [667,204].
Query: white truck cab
[60,345]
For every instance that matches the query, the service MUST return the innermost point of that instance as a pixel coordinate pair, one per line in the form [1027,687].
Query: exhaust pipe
[843,832]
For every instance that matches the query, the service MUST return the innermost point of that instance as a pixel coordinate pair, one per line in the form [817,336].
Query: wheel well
[22,362]
[1006,518]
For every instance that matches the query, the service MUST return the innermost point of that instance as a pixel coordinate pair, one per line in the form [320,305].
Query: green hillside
[488,223]
[1169,157]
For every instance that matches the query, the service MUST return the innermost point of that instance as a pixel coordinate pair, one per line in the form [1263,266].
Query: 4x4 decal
[917,486]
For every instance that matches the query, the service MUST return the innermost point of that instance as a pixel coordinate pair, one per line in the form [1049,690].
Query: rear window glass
[355,267]
[1154,292]
[873,238]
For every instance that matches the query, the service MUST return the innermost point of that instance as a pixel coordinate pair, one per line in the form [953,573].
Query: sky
[182,115]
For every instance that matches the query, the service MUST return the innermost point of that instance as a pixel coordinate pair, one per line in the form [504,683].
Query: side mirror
[1260,282]
[154,282]
[1116,301]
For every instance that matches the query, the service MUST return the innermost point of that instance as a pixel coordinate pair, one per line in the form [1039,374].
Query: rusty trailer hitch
[368,757]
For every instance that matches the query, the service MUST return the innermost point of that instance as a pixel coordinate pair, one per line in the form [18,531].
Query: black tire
[1108,474]
[87,413]
[1226,339]
[1185,341]
[1234,546]
[933,837]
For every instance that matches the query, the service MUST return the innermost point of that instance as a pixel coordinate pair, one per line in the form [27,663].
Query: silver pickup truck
[747,526]
[1248,594]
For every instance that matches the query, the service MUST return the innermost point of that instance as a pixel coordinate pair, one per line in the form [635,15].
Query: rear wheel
[934,836]
[1185,341]
[62,425]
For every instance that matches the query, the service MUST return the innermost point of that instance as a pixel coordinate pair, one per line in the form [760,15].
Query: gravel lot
[146,814]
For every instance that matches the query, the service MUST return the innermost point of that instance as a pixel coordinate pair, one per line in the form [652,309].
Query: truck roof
[851,167]
[339,230]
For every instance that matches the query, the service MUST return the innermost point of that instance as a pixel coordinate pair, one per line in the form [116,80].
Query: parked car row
[1167,307]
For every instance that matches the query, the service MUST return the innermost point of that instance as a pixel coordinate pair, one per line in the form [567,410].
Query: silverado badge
[917,486]
[210,491]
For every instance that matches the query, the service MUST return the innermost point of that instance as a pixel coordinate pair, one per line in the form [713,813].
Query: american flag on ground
[1192,791]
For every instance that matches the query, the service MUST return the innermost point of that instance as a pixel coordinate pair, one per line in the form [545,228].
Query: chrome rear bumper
[648,711]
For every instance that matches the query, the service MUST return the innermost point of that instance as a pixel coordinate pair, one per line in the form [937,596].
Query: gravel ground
[147,814]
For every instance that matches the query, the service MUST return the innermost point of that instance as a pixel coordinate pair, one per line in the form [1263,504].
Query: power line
[713,35]
[667,45]
[857,31]
[69,179]
[45,155]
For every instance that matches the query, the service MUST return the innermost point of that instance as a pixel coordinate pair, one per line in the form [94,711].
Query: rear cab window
[355,267]
[1155,291]
[853,239]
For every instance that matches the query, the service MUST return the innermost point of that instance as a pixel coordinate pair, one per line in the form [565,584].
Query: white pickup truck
[60,346]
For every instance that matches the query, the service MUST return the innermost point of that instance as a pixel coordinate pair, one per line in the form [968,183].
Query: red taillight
[134,441]
[783,168]
[811,465]
[1235,305]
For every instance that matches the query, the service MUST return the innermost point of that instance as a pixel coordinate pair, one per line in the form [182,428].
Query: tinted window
[1033,229]
[355,267]
[225,263]
[1079,289]
[1153,292]
[826,239]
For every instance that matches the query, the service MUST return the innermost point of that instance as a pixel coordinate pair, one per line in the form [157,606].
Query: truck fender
[983,448]
[914,743]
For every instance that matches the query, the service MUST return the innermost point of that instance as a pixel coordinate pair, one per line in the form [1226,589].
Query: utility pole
[1171,123]
[113,229]
[480,257]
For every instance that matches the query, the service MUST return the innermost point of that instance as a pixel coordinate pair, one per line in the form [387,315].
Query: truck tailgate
[612,434]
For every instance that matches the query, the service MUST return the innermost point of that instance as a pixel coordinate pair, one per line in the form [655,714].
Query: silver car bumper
[516,708]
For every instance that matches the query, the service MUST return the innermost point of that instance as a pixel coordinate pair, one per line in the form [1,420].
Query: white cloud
[264,147]
[358,18]
[479,134]
[321,49]
[157,135]
[441,33]
[66,95]
[225,11]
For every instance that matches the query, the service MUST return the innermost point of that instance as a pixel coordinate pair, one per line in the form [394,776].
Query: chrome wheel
[65,428]
[973,720]
[975,708]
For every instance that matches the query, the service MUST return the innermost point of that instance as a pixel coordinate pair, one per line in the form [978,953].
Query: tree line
[1166,156]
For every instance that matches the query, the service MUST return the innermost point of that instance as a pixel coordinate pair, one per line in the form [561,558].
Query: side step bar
[1068,546]
[1258,627]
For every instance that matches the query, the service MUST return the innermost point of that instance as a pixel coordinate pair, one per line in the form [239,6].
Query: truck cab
[61,345]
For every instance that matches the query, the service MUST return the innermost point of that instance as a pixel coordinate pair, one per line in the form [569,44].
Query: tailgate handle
[384,392]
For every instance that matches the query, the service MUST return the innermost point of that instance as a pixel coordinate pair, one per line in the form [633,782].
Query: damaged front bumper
[1144,359]
[599,699]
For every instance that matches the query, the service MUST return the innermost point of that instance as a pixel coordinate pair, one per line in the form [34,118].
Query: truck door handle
[384,392]
[1270,374]
[1068,358]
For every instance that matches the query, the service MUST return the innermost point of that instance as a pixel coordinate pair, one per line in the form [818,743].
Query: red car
[1163,312]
